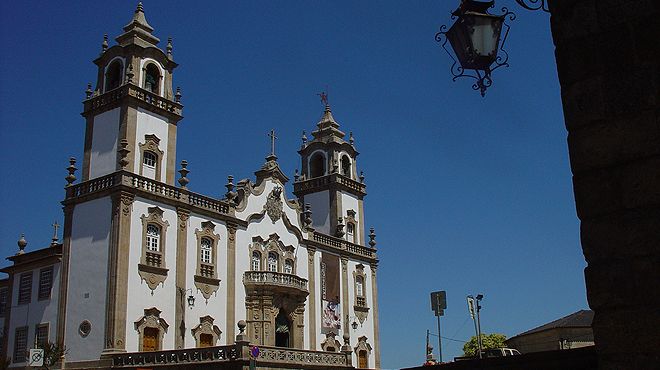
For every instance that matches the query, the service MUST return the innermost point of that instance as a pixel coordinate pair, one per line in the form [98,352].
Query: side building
[148,268]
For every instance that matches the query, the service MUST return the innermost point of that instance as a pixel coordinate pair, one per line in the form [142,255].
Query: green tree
[52,354]
[487,341]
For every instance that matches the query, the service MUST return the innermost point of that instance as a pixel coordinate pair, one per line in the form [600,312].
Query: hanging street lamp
[534,5]
[477,40]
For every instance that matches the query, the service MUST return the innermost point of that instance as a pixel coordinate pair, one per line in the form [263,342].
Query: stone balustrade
[274,278]
[112,96]
[343,245]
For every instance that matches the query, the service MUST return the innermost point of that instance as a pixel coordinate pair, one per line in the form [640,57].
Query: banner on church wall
[331,309]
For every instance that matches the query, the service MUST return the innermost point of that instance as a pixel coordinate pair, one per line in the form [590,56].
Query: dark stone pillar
[608,61]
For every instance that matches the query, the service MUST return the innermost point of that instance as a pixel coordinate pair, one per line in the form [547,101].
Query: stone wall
[608,61]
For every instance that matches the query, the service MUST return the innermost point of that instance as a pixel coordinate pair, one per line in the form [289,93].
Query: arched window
[359,286]
[256,261]
[317,165]
[113,75]
[288,266]
[153,238]
[152,78]
[205,250]
[272,261]
[149,161]
[345,166]
[350,232]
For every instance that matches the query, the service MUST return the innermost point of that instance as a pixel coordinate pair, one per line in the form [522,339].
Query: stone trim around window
[360,303]
[151,143]
[206,274]
[330,344]
[152,267]
[350,220]
[151,319]
[206,327]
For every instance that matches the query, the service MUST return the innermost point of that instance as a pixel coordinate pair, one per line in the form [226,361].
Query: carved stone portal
[275,317]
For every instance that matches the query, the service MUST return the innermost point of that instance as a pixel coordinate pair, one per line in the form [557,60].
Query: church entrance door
[282,330]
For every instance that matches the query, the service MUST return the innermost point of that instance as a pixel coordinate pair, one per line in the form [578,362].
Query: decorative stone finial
[139,7]
[123,153]
[304,139]
[184,172]
[335,166]
[55,238]
[169,47]
[241,336]
[296,176]
[241,326]
[307,215]
[129,74]
[350,138]
[372,238]
[70,178]
[231,194]
[104,45]
[340,227]
[21,244]
[347,338]
[346,348]
[362,177]
[177,96]
[89,92]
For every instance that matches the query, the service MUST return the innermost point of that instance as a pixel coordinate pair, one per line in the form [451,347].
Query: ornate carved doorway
[282,329]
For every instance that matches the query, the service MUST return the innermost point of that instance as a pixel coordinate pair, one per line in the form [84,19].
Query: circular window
[84,328]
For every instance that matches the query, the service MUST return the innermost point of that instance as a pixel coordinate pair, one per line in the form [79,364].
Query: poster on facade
[330,307]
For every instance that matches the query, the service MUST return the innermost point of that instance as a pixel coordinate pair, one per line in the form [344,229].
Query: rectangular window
[41,336]
[20,344]
[45,282]
[4,295]
[25,288]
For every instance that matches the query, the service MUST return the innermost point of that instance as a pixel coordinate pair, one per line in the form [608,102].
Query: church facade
[146,265]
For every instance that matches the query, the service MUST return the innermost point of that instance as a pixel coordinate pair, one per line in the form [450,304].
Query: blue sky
[467,194]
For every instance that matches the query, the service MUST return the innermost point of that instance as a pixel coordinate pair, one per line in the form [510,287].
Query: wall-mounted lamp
[477,41]
[191,298]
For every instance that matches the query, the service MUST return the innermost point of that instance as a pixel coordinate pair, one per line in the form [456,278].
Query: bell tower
[132,114]
[329,181]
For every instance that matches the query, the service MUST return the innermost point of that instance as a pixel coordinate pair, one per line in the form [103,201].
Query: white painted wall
[88,263]
[103,159]
[367,328]
[149,123]
[320,203]
[34,313]
[139,296]
[350,201]
[216,307]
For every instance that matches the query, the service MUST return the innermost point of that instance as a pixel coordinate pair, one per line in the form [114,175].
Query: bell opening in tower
[152,78]
[113,75]
[317,165]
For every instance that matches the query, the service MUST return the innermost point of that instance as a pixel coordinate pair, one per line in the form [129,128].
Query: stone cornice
[329,182]
[41,257]
[146,99]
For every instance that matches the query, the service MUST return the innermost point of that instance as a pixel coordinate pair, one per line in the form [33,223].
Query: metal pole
[439,342]
[479,328]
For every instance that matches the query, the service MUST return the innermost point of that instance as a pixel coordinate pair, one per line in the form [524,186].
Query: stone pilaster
[183,215]
[64,278]
[374,296]
[116,298]
[345,306]
[231,282]
[311,270]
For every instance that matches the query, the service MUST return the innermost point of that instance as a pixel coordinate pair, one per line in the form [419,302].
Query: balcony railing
[146,186]
[237,354]
[344,245]
[110,97]
[318,182]
[274,278]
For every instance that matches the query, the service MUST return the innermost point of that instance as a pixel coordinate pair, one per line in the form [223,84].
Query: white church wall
[149,123]
[216,307]
[320,206]
[350,201]
[367,327]
[88,278]
[139,296]
[103,159]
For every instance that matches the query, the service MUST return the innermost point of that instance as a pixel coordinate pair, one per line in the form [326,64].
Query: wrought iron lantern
[191,301]
[477,39]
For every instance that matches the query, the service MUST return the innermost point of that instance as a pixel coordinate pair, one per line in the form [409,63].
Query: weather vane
[324,97]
